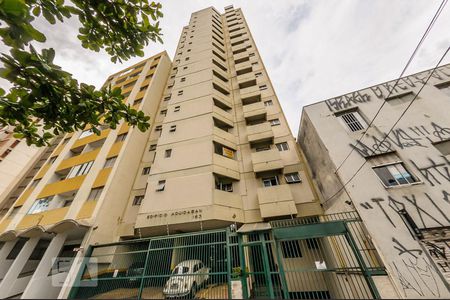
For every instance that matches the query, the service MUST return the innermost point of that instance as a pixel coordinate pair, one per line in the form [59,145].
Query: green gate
[319,257]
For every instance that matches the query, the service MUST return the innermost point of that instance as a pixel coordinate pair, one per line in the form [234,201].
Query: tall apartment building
[402,189]
[224,152]
[83,187]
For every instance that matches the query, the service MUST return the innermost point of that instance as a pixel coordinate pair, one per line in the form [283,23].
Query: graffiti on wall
[382,91]
[413,136]
[436,172]
[416,274]
[427,210]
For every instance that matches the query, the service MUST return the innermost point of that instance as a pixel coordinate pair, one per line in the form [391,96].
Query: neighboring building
[18,164]
[83,187]
[402,191]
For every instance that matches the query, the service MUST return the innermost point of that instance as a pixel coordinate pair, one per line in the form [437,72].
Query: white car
[186,279]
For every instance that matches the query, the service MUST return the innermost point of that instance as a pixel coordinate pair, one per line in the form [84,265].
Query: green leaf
[13,7]
[49,16]
[36,11]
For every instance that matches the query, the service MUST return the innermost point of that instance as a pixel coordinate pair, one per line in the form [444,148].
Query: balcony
[266,161]
[221,97]
[225,166]
[276,201]
[259,133]
[241,79]
[250,90]
[228,137]
[227,199]
[240,56]
[78,159]
[223,115]
[90,139]
[254,111]
[62,186]
[243,67]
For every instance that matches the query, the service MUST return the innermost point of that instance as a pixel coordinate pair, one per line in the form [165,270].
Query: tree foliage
[45,100]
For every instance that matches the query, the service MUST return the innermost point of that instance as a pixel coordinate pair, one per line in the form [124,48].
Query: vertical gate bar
[266,265]
[281,270]
[141,286]
[243,268]
[228,262]
[361,262]
[73,292]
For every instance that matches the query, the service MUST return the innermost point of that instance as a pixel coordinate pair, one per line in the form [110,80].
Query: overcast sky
[313,50]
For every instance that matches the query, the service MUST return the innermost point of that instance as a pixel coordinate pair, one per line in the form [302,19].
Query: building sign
[227,152]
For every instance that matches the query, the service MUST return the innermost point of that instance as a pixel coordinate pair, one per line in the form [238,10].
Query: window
[180,93]
[312,243]
[292,178]
[274,122]
[260,148]
[282,146]
[353,121]
[168,153]
[79,170]
[161,186]
[173,128]
[16,249]
[146,171]
[177,108]
[86,133]
[35,183]
[443,147]
[121,137]
[152,147]
[138,200]
[163,112]
[6,153]
[185,68]
[394,174]
[14,144]
[94,195]
[444,87]
[291,249]
[270,181]
[109,163]
[67,202]
[268,103]
[138,101]
[224,184]
[227,187]
[158,128]
[186,59]
[183,79]
[40,205]
[167,98]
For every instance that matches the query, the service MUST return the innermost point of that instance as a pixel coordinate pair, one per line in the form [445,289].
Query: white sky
[313,50]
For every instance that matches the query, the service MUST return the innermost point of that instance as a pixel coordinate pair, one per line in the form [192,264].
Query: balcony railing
[266,161]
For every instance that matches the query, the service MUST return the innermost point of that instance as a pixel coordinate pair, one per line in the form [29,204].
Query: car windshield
[180,270]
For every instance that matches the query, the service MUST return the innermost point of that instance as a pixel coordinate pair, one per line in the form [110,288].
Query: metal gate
[305,258]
